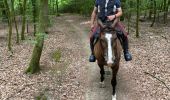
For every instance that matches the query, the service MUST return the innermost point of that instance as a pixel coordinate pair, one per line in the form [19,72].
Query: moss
[57,55]
[41,97]
[32,70]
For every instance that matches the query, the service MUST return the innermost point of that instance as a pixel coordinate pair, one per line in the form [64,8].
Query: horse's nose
[109,63]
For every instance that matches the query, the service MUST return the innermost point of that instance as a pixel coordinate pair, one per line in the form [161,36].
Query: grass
[56,55]
[41,97]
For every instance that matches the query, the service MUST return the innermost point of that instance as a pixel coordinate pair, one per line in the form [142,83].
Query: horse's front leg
[102,72]
[114,81]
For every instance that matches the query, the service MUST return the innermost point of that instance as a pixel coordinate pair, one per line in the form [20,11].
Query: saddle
[119,28]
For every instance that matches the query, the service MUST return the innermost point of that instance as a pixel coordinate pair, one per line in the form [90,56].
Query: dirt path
[94,92]
[133,84]
[73,77]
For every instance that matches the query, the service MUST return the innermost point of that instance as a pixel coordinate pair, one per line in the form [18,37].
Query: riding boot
[127,55]
[92,58]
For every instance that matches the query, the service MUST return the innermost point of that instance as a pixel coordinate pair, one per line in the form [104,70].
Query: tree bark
[57,8]
[166,10]
[34,65]
[23,20]
[150,10]
[8,13]
[4,16]
[155,9]
[35,15]
[137,19]
[14,19]
[20,7]
[165,14]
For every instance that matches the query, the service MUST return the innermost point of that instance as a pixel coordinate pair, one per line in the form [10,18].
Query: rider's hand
[92,27]
[111,17]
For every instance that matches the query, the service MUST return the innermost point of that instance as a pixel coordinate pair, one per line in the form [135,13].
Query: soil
[73,77]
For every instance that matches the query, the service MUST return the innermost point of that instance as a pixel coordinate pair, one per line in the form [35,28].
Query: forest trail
[93,91]
[74,77]
[133,84]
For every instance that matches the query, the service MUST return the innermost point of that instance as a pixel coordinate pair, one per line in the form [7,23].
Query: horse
[107,51]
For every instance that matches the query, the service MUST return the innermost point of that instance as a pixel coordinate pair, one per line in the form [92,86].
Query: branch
[157,79]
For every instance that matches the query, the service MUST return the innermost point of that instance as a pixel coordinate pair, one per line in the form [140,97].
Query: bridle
[109,35]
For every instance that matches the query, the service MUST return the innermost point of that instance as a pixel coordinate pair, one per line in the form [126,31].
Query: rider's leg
[123,36]
[127,54]
[92,58]
[94,36]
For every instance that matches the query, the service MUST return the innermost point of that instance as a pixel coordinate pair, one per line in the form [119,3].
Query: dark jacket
[108,9]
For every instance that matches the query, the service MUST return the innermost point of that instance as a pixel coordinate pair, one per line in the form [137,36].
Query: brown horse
[107,51]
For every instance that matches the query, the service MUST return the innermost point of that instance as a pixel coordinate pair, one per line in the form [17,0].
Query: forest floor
[73,77]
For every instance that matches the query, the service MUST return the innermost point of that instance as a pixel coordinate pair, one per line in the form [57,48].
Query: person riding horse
[108,10]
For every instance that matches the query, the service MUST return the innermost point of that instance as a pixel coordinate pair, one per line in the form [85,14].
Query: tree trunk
[166,10]
[137,19]
[14,19]
[2,7]
[155,9]
[158,16]
[165,17]
[57,8]
[34,64]
[145,14]
[23,20]
[150,10]
[20,6]
[129,15]
[35,15]
[8,13]
[45,16]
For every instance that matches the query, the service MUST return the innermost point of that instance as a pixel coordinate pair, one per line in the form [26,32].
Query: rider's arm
[119,12]
[117,15]
[118,9]
[93,16]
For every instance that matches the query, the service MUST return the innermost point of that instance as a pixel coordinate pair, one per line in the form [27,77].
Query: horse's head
[108,41]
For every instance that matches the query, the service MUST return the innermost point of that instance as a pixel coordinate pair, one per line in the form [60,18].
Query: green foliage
[41,97]
[83,7]
[56,55]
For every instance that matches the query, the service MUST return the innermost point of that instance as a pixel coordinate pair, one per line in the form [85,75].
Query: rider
[108,10]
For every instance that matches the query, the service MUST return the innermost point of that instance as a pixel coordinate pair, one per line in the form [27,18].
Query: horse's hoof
[114,97]
[102,85]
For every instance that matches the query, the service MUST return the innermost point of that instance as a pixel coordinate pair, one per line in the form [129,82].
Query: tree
[165,4]
[57,9]
[2,9]
[14,19]
[35,14]
[8,13]
[23,20]
[137,19]
[155,9]
[34,64]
